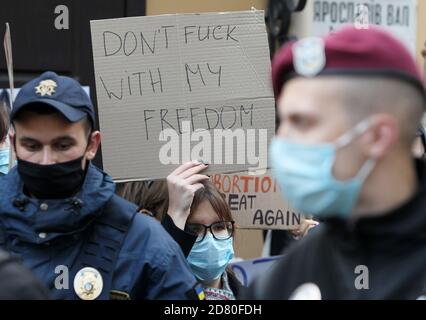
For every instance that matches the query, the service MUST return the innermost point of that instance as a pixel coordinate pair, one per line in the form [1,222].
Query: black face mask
[54,181]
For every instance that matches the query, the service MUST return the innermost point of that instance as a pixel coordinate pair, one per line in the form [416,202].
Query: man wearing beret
[349,106]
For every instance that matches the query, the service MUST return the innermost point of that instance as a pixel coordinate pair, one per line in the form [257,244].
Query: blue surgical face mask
[209,258]
[305,175]
[4,161]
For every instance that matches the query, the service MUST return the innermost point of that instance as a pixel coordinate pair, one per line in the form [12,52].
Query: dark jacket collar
[407,221]
[26,217]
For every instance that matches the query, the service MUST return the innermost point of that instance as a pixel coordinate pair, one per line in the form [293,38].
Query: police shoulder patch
[196,292]
[118,295]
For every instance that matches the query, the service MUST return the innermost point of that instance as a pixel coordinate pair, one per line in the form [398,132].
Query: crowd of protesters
[348,150]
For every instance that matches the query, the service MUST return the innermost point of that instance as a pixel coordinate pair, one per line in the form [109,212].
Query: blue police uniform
[48,234]
[85,242]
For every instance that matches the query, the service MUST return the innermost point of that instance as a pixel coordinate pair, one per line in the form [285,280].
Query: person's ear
[380,137]
[11,135]
[93,145]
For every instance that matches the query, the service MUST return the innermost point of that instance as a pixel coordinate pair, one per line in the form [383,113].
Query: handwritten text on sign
[256,201]
[192,72]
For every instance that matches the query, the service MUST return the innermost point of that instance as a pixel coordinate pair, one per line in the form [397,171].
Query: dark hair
[44,109]
[150,196]
[216,199]
[4,115]
[4,123]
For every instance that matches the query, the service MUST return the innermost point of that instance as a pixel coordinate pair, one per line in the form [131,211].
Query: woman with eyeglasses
[200,210]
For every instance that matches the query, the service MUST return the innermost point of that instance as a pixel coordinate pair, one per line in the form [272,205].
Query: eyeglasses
[221,230]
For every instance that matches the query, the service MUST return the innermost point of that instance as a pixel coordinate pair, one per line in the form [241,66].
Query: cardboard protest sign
[256,201]
[248,270]
[7,45]
[174,88]
[397,16]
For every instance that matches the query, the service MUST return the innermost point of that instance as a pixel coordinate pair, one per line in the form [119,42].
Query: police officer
[59,214]
[349,105]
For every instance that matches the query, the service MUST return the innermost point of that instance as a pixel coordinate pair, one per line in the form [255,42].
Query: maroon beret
[350,51]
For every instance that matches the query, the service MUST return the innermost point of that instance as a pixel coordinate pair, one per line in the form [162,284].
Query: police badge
[88,283]
[46,87]
[309,56]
